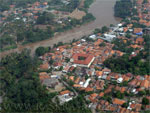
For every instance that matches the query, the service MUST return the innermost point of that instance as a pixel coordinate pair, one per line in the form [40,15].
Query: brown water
[101,9]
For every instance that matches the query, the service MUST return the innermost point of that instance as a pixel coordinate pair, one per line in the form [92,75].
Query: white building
[86,82]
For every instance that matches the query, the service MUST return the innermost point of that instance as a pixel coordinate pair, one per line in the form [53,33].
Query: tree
[102,44]
[45,18]
[125,105]
[97,30]
[123,8]
[145,1]
[145,101]
[104,29]
[20,82]
[141,93]
[51,61]
[41,51]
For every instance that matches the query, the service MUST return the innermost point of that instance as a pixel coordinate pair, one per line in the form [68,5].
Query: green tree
[97,30]
[104,29]
[145,101]
[102,44]
[123,8]
[41,51]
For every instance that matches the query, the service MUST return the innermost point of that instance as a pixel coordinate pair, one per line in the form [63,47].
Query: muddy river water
[101,9]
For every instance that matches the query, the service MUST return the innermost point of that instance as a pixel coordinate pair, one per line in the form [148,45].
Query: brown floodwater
[101,9]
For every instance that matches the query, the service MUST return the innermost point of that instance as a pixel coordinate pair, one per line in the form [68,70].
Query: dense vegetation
[19,31]
[22,34]
[122,46]
[22,91]
[87,3]
[69,7]
[19,81]
[138,65]
[45,18]
[123,8]
[41,50]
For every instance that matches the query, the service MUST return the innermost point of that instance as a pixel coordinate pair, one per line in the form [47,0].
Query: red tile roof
[64,92]
[118,101]
[88,58]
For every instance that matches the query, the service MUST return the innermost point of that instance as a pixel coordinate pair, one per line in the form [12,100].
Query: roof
[43,77]
[137,30]
[64,92]
[106,70]
[71,78]
[145,83]
[44,66]
[76,85]
[101,94]
[77,80]
[99,73]
[118,101]
[88,89]
[42,73]
[139,40]
[94,95]
[86,61]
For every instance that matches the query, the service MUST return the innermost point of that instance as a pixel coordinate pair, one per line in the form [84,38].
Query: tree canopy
[123,8]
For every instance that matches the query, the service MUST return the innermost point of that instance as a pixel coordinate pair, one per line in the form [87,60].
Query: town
[81,66]
[108,70]
[41,20]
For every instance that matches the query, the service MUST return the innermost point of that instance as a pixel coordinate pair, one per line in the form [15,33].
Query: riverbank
[101,9]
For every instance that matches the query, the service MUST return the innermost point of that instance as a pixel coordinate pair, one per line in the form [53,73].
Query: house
[83,60]
[120,80]
[139,40]
[66,92]
[86,83]
[101,94]
[106,71]
[144,84]
[65,96]
[43,74]
[66,68]
[57,65]
[43,77]
[44,66]
[50,82]
[109,37]
[118,101]
[92,37]
[138,31]
[88,89]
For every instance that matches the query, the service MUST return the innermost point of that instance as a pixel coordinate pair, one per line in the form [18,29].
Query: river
[101,9]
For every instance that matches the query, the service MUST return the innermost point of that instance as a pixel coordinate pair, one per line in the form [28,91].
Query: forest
[22,90]
[122,8]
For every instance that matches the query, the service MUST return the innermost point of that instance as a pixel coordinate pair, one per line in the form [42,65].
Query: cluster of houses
[81,62]
[32,12]
[26,14]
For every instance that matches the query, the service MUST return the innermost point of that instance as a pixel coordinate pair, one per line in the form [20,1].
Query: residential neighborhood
[82,64]
[43,19]
[106,71]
